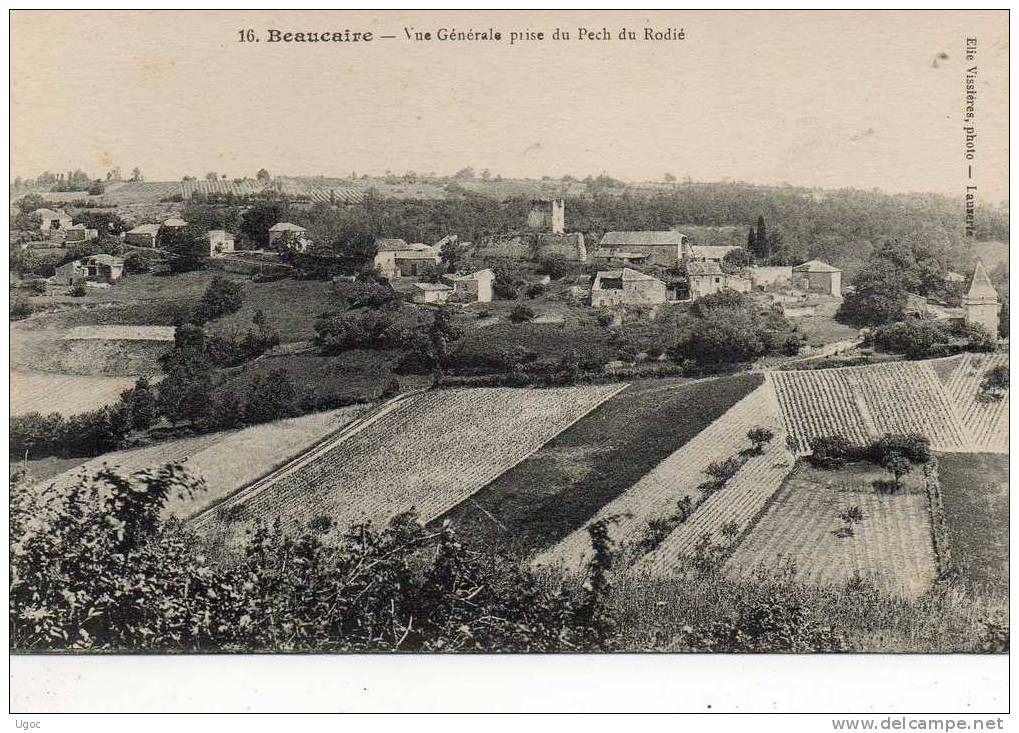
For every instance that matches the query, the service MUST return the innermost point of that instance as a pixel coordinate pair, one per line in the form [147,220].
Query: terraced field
[678,475]
[290,187]
[863,403]
[985,421]
[429,452]
[891,547]
[226,460]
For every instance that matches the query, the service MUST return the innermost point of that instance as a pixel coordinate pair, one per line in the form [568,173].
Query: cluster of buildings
[980,305]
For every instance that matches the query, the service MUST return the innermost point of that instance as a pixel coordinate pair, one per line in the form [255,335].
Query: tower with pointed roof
[981,302]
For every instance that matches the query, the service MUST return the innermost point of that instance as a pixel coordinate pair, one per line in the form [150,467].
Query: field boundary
[939,522]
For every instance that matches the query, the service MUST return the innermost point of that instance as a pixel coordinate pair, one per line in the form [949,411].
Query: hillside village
[532,363]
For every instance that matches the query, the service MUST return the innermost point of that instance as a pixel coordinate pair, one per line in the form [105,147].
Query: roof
[76,227]
[175,222]
[286,226]
[105,259]
[626,275]
[668,238]
[390,245]
[711,267]
[432,286]
[50,213]
[712,252]
[479,275]
[619,254]
[145,229]
[220,233]
[980,286]
[815,266]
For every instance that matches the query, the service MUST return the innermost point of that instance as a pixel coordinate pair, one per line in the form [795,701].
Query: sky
[825,99]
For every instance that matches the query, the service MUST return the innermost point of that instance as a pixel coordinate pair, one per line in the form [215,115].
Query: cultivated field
[67,394]
[679,474]
[863,403]
[120,333]
[227,460]
[560,487]
[974,490]
[891,547]
[429,451]
[984,421]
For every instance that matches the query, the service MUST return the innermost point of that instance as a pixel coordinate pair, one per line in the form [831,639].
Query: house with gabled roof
[707,278]
[396,258]
[284,236]
[474,287]
[661,247]
[430,292]
[819,277]
[626,287]
[51,220]
[143,235]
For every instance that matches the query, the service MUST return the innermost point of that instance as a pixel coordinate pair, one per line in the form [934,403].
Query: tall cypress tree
[751,243]
[761,240]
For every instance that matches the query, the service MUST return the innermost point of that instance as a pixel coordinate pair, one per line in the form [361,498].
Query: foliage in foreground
[93,568]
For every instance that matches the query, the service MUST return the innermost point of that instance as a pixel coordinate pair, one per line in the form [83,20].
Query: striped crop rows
[985,420]
[430,453]
[655,495]
[863,403]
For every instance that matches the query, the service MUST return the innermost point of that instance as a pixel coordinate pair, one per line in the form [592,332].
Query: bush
[137,262]
[221,298]
[916,339]
[521,314]
[19,308]
[336,333]
[79,289]
[554,265]
[830,451]
[535,290]
[995,382]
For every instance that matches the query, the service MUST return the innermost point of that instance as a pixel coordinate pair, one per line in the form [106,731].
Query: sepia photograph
[445,333]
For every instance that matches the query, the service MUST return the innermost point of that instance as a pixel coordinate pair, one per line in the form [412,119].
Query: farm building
[52,220]
[819,277]
[707,278]
[220,243]
[661,247]
[707,253]
[981,304]
[761,277]
[626,287]
[175,223]
[430,292]
[95,269]
[619,257]
[286,236]
[473,288]
[396,258]
[570,246]
[143,235]
[80,233]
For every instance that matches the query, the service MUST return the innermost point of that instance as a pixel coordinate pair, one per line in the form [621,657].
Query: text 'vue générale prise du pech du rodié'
[470,35]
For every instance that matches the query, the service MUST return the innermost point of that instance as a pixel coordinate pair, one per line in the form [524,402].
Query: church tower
[981,302]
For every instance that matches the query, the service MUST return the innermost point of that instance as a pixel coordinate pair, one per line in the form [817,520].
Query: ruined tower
[547,216]
[981,302]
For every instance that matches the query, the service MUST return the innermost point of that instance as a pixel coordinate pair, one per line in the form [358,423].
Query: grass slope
[974,489]
[560,487]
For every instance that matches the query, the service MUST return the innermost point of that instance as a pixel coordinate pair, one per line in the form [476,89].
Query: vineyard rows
[891,546]
[655,495]
[292,188]
[429,452]
[985,421]
[863,403]
[742,498]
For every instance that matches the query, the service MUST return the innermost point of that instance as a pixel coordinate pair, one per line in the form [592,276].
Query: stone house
[437,293]
[95,269]
[816,276]
[52,220]
[143,235]
[220,242]
[80,233]
[707,278]
[396,258]
[475,287]
[626,287]
[619,257]
[707,253]
[661,247]
[286,236]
